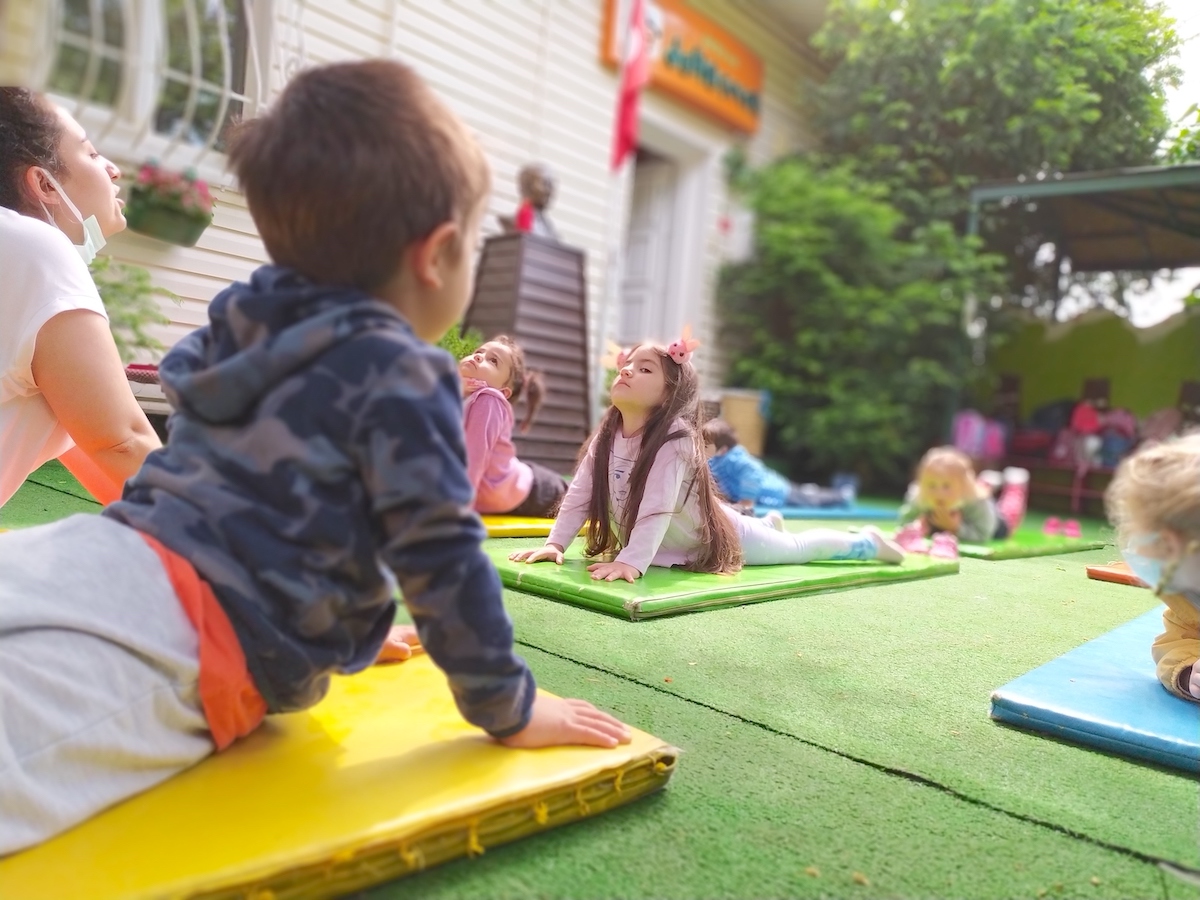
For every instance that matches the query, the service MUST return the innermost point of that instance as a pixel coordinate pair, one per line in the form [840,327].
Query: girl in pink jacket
[494,377]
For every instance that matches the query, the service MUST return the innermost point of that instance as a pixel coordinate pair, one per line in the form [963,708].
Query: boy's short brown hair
[352,164]
[720,434]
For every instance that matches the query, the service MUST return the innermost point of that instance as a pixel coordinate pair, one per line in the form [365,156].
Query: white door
[644,285]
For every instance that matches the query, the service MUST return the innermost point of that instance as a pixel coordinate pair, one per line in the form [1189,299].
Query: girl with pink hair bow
[644,488]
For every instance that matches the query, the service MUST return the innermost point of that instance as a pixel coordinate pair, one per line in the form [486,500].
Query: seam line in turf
[58,490]
[1160,862]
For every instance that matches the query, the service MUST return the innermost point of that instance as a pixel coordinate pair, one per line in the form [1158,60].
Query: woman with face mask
[63,391]
[1154,500]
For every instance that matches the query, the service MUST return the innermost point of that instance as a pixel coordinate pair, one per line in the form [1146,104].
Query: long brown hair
[523,381]
[720,549]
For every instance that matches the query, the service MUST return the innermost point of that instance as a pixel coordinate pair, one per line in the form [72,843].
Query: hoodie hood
[259,333]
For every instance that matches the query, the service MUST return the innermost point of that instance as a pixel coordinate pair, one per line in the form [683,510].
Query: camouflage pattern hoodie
[317,450]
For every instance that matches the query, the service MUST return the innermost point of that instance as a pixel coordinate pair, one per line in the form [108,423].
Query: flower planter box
[171,225]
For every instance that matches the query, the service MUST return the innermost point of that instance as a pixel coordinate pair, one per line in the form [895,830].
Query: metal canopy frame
[1126,219]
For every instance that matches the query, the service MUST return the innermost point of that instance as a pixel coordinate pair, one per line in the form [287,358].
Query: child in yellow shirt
[1154,501]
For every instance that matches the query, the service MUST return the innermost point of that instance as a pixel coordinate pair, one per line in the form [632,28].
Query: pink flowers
[183,191]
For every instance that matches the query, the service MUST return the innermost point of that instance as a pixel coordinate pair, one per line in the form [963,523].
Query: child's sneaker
[1013,497]
[885,550]
[1052,527]
[774,518]
[911,538]
[1071,529]
[945,546]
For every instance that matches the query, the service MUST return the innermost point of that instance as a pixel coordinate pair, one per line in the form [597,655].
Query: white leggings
[762,545]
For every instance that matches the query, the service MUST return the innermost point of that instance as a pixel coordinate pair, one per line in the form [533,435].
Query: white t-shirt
[668,527]
[41,275]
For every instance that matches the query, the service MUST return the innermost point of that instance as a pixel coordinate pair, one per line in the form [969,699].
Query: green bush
[459,343]
[857,333]
[931,97]
[1184,144]
[128,297]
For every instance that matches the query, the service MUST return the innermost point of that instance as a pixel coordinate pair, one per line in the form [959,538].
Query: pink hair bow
[681,350]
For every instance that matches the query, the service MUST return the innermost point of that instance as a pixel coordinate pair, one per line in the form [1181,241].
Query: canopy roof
[1125,219]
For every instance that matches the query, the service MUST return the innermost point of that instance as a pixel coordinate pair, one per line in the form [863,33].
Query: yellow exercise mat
[382,779]
[517,526]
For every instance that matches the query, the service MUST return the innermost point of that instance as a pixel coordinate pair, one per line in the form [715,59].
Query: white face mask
[93,238]
[1163,576]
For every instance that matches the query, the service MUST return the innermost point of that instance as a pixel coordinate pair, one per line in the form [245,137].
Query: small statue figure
[536,184]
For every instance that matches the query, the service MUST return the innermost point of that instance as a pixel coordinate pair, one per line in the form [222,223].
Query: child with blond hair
[947,498]
[1154,502]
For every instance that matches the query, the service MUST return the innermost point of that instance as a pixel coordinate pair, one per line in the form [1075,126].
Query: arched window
[161,78]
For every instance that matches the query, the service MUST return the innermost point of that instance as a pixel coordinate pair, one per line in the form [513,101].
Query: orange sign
[693,59]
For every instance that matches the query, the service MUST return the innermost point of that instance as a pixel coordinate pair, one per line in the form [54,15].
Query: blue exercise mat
[858,511]
[1105,694]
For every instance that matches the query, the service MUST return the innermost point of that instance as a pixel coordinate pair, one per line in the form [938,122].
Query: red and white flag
[635,73]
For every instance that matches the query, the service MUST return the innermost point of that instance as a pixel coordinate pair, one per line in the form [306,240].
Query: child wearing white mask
[63,390]
[1154,501]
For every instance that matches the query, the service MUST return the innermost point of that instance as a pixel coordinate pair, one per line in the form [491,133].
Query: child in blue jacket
[745,480]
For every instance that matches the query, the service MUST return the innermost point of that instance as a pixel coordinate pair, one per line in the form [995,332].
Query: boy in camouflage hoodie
[316,459]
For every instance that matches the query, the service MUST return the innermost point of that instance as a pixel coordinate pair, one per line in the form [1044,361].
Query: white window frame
[126,132]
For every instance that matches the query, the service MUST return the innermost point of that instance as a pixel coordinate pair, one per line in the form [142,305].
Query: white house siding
[19,26]
[526,77]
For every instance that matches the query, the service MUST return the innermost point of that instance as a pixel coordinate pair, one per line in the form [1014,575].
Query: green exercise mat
[1029,543]
[663,592]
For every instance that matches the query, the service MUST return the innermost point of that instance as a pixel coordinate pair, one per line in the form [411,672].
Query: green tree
[1184,146]
[929,97]
[128,296]
[855,328]
[459,344]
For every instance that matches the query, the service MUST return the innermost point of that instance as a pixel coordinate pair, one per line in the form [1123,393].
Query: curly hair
[1157,487]
[30,132]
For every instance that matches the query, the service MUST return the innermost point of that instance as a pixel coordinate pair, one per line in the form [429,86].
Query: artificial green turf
[899,676]
[55,475]
[36,504]
[749,811]
[892,678]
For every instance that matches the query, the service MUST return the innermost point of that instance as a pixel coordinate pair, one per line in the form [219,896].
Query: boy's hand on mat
[557,722]
[611,571]
[549,551]
[401,643]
